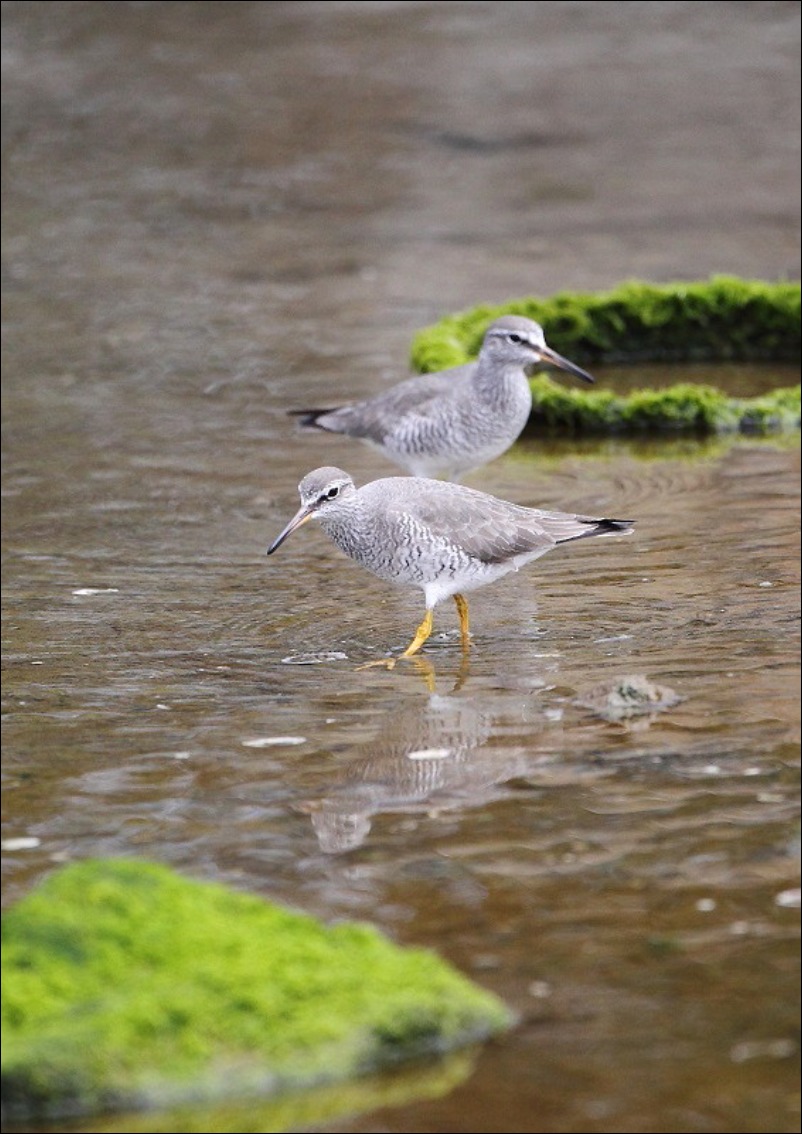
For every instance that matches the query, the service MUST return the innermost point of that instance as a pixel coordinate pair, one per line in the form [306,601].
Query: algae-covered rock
[720,320]
[127,985]
[682,408]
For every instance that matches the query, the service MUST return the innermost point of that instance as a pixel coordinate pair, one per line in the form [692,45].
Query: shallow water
[196,241]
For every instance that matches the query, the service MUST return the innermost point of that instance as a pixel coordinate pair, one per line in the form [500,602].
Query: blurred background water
[214,212]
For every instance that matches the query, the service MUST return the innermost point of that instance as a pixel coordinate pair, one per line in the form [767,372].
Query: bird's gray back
[478,526]
[425,395]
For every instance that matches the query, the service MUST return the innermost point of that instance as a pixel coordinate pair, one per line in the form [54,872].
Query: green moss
[723,319]
[126,984]
[718,320]
[684,407]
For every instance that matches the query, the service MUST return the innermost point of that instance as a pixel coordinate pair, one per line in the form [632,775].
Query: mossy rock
[684,407]
[127,985]
[724,319]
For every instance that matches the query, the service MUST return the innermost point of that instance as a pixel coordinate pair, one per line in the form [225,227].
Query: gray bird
[444,538]
[445,424]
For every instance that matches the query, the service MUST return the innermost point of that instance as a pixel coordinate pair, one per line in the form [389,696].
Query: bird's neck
[501,385]
[346,525]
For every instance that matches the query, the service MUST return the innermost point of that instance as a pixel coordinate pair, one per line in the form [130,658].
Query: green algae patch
[127,985]
[724,319]
[718,320]
[682,408]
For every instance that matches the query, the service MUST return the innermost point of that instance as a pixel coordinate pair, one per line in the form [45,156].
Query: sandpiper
[448,423]
[445,538]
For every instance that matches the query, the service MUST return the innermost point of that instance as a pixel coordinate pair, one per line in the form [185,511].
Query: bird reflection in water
[425,758]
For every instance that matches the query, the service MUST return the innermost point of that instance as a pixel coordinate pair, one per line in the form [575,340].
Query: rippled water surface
[215,212]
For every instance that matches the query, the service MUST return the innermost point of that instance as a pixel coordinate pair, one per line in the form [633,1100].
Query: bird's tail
[310,417]
[585,526]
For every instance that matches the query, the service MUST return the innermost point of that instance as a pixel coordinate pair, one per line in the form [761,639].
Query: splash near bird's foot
[423,632]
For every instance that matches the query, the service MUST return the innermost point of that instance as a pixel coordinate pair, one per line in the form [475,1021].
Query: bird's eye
[333,491]
[514,337]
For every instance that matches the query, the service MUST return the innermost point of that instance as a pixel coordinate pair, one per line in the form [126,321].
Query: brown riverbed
[215,212]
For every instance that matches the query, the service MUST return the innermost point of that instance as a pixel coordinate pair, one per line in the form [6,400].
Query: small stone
[630,696]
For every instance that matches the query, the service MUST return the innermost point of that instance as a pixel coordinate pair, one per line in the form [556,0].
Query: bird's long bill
[551,356]
[301,516]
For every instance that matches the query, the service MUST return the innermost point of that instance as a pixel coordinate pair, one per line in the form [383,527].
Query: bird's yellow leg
[462,611]
[421,634]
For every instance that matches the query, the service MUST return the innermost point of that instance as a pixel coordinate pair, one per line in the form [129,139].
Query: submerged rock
[127,985]
[630,696]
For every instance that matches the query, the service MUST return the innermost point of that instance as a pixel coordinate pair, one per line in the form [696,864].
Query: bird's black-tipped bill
[554,359]
[300,517]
